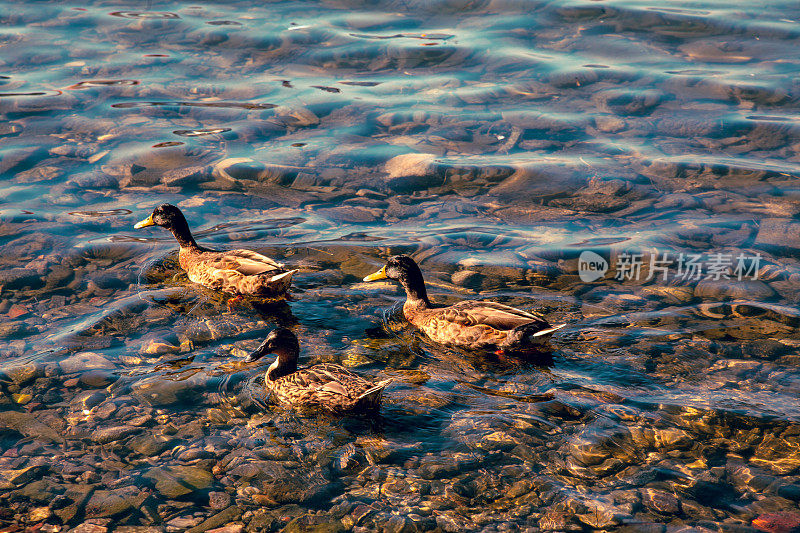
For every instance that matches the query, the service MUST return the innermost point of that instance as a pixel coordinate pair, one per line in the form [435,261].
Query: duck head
[170,217]
[403,269]
[283,343]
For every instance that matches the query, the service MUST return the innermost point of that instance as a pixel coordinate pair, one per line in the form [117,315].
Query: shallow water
[495,142]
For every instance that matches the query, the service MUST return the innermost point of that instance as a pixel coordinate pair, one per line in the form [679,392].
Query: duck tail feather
[548,331]
[373,394]
[283,276]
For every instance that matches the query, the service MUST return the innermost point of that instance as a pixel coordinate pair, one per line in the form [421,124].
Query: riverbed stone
[660,501]
[25,373]
[85,361]
[220,519]
[778,234]
[106,503]
[412,172]
[29,425]
[176,481]
[722,289]
[114,433]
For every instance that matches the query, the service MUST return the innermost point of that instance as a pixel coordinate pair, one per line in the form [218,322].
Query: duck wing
[496,315]
[330,378]
[245,262]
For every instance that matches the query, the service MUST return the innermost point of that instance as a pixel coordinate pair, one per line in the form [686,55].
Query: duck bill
[260,352]
[380,274]
[144,223]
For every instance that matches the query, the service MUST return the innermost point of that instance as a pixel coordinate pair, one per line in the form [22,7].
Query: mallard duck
[327,386]
[241,272]
[477,324]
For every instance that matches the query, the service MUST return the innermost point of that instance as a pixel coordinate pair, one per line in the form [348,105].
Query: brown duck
[324,386]
[477,324]
[240,272]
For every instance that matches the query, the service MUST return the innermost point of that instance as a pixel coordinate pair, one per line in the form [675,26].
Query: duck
[238,272]
[326,386]
[472,324]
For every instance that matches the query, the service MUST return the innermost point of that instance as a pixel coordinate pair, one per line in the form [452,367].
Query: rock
[114,433]
[25,373]
[467,278]
[12,477]
[97,379]
[72,501]
[21,398]
[186,176]
[38,514]
[39,173]
[88,399]
[164,392]
[41,491]
[147,168]
[150,445]
[297,116]
[88,527]
[399,524]
[219,500]
[790,492]
[177,481]
[28,425]
[16,328]
[160,348]
[437,468]
[310,488]
[17,311]
[105,503]
[412,172]
[720,289]
[243,168]
[626,102]
[182,523]
[780,454]
[609,124]
[783,522]
[220,519]
[85,361]
[311,524]
[230,528]
[778,234]
[660,501]
[19,278]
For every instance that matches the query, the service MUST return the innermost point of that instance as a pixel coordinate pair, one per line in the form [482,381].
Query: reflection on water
[495,142]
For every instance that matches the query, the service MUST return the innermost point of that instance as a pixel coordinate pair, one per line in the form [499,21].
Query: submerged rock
[176,481]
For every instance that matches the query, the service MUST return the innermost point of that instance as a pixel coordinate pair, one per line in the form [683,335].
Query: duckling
[475,324]
[327,386]
[241,272]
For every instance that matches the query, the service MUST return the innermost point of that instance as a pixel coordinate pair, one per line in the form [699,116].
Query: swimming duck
[241,272]
[327,386]
[477,324]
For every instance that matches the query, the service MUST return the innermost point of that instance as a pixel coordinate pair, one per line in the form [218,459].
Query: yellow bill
[144,223]
[380,274]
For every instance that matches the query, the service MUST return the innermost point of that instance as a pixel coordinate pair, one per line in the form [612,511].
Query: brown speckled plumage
[326,386]
[233,271]
[475,324]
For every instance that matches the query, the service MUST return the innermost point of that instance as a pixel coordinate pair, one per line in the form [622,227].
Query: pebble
[85,361]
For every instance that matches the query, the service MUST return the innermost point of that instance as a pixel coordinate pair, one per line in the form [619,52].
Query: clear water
[550,128]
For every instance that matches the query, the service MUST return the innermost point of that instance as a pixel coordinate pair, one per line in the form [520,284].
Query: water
[495,142]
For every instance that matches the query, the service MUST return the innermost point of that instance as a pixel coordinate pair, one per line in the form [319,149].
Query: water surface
[494,142]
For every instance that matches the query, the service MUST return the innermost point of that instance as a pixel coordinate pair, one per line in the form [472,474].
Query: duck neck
[416,294]
[285,363]
[180,229]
